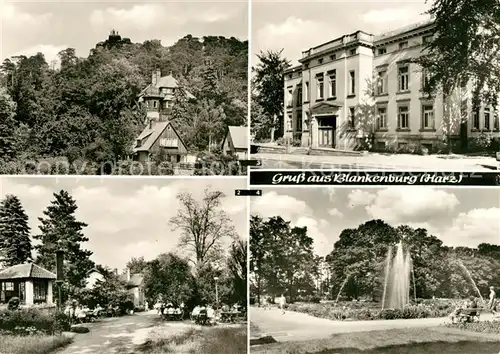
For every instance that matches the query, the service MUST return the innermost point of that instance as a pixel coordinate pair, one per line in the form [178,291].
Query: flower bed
[371,311]
[32,321]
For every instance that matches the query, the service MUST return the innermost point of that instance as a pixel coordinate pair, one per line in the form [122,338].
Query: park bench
[173,316]
[469,315]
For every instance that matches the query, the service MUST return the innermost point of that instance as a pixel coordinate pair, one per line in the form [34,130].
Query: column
[50,295]
[29,292]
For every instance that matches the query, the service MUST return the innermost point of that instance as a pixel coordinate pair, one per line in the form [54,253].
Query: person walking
[282,302]
[493,296]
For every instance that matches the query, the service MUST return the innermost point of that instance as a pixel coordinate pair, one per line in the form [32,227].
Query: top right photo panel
[408,85]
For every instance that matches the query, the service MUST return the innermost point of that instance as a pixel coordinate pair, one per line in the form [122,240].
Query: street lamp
[216,291]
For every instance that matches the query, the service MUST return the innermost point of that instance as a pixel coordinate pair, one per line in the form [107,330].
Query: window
[382,83]
[403,117]
[382,118]
[289,101]
[403,45]
[299,121]
[352,118]
[403,78]
[352,82]
[425,79]
[299,95]
[169,104]
[352,51]
[382,51]
[8,286]
[428,39]
[487,118]
[321,86]
[308,92]
[333,84]
[289,122]
[169,142]
[496,121]
[155,104]
[475,118]
[427,117]
[39,290]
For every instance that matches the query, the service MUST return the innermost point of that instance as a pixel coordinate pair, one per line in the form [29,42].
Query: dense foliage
[87,109]
[32,321]
[15,241]
[282,261]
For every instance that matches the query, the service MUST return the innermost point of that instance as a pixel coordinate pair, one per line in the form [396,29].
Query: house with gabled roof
[29,282]
[160,136]
[236,142]
[135,285]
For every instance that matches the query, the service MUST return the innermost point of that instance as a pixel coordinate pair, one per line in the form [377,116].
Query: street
[119,334]
[294,326]
[374,161]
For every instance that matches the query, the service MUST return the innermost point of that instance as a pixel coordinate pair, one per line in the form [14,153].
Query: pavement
[295,326]
[117,335]
[373,161]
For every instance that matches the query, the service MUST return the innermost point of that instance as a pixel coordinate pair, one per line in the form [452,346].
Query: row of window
[403,119]
[379,51]
[155,104]
[324,90]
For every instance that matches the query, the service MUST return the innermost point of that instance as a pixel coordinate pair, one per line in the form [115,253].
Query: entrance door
[326,131]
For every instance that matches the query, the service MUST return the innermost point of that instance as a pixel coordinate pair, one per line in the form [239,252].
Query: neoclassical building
[328,95]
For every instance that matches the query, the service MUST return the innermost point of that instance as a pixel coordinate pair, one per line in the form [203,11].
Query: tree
[204,225]
[465,49]
[268,86]
[7,125]
[237,266]
[60,230]
[169,277]
[15,242]
[137,265]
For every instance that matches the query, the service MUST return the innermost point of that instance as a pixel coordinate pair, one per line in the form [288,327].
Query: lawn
[392,341]
[200,340]
[38,344]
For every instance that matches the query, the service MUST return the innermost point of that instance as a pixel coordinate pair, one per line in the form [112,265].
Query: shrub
[483,326]
[480,143]
[32,321]
[79,329]
[13,303]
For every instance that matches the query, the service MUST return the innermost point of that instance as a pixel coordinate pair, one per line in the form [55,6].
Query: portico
[325,120]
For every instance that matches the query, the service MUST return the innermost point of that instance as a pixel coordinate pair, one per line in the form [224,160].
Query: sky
[458,216]
[126,217]
[296,26]
[35,26]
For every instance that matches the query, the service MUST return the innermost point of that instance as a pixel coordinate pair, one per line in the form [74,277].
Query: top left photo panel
[124,88]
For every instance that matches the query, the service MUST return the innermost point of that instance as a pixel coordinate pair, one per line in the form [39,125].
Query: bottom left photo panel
[123,265]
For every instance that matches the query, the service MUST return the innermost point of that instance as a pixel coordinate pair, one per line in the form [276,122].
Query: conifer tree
[15,242]
[60,230]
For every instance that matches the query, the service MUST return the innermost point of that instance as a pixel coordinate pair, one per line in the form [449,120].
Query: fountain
[471,279]
[398,270]
[341,288]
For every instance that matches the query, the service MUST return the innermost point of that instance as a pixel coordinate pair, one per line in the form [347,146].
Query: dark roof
[239,137]
[150,134]
[163,82]
[28,270]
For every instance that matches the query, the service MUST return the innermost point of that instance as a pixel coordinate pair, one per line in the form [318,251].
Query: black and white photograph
[375,270]
[409,85]
[124,87]
[123,265]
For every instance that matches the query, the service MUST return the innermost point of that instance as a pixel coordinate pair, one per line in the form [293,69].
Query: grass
[209,340]
[414,340]
[38,344]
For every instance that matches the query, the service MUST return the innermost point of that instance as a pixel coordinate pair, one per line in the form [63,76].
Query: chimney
[128,274]
[116,271]
[154,77]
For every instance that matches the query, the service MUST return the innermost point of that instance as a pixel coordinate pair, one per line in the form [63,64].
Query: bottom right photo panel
[375,270]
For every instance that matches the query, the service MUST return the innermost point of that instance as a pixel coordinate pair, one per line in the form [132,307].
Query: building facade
[361,85]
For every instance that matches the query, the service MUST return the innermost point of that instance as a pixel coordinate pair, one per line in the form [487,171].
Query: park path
[295,326]
[379,161]
[114,335]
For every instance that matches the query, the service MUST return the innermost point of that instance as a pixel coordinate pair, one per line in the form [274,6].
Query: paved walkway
[114,335]
[295,326]
[378,161]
